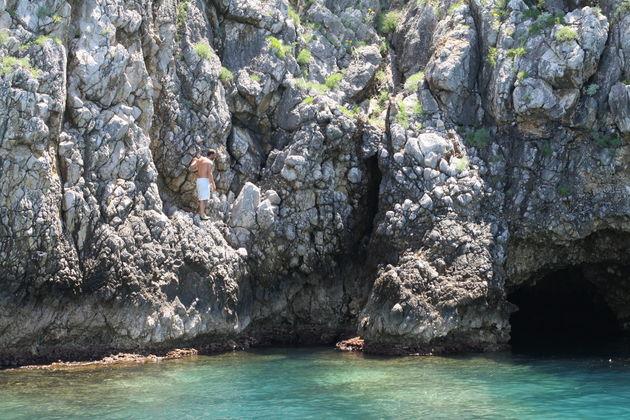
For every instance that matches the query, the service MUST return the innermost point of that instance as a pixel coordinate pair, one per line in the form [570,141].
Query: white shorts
[203,188]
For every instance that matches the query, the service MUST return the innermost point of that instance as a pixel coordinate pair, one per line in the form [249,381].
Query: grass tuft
[413,82]
[566,34]
[203,50]
[388,22]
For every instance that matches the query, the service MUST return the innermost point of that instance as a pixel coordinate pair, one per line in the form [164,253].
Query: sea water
[321,383]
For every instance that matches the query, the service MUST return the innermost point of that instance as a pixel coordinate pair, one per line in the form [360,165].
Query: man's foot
[204,217]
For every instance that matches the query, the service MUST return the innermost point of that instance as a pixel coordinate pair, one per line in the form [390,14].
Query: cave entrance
[564,310]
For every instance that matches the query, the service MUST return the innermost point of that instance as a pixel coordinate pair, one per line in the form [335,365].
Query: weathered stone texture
[355,193]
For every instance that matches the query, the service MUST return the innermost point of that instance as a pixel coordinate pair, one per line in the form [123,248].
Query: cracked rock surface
[393,182]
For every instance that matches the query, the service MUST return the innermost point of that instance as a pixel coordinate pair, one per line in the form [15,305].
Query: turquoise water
[318,383]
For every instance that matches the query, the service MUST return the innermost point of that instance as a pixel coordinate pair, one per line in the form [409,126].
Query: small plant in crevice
[566,33]
[413,82]
[278,48]
[478,138]
[294,16]
[592,89]
[256,78]
[418,109]
[332,81]
[4,36]
[545,21]
[451,9]
[521,75]
[563,190]
[532,13]
[203,50]
[492,56]
[308,100]
[388,22]
[546,149]
[304,85]
[182,14]
[355,110]
[43,11]
[623,8]
[606,140]
[462,164]
[8,65]
[303,57]
[516,52]
[402,117]
[225,75]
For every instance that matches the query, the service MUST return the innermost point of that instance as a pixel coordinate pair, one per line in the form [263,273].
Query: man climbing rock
[204,166]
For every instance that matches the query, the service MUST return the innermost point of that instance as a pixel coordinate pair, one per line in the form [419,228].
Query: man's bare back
[204,167]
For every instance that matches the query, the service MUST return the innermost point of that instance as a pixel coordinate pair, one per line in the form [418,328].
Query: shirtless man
[204,166]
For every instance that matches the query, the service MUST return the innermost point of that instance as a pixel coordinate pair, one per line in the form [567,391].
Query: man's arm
[214,186]
[194,163]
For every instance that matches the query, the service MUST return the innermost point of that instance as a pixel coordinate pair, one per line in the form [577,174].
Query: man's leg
[202,208]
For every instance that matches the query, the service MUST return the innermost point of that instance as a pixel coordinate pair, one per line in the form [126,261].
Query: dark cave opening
[562,311]
[373,186]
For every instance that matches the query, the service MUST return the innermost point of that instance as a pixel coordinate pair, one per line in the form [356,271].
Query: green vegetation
[12,13]
[499,12]
[41,40]
[8,65]
[521,75]
[413,81]
[304,85]
[256,78]
[308,100]
[384,47]
[417,108]
[532,13]
[516,52]
[388,22]
[332,81]
[225,75]
[307,37]
[479,138]
[566,33]
[3,36]
[563,190]
[402,117]
[384,97]
[606,141]
[380,76]
[182,14]
[350,112]
[304,57]
[462,164]
[308,4]
[203,50]
[455,6]
[43,11]
[623,8]
[592,89]
[294,16]
[545,21]
[546,149]
[278,47]
[56,18]
[492,56]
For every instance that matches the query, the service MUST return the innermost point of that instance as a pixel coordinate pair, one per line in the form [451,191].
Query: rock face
[391,180]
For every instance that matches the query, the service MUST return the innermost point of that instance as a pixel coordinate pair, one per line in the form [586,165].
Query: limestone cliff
[387,169]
